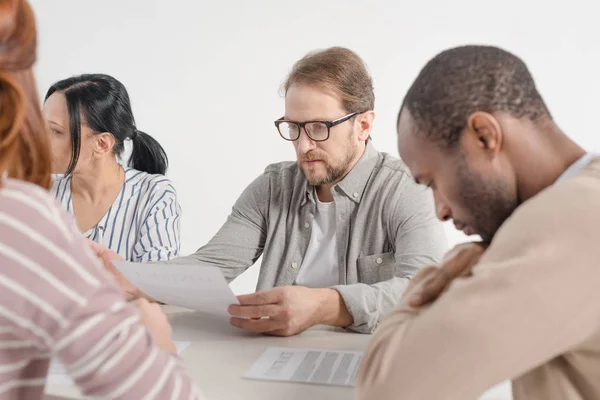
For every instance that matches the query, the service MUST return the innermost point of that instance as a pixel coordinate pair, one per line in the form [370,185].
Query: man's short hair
[340,70]
[463,80]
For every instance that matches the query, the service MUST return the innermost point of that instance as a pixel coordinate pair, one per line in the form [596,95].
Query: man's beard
[333,172]
[488,200]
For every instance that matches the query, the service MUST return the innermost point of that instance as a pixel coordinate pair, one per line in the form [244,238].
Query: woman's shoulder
[32,205]
[14,188]
[44,238]
[146,184]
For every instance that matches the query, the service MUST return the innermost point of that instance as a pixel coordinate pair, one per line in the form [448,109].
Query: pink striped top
[56,300]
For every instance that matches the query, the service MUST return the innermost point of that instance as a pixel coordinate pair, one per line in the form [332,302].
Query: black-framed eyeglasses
[317,131]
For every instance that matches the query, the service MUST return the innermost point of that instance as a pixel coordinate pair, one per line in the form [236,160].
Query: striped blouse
[142,225]
[56,300]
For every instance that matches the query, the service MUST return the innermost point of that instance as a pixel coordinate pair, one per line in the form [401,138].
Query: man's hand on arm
[289,310]
[458,262]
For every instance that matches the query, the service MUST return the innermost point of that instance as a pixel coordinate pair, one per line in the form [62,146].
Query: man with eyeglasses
[342,230]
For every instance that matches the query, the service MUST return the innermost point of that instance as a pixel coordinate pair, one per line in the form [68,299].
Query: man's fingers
[423,274]
[255,312]
[280,332]
[440,279]
[457,263]
[467,271]
[416,298]
[467,252]
[460,264]
[434,287]
[259,298]
[256,325]
[454,266]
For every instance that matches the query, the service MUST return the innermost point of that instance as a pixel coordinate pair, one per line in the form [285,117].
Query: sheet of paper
[324,367]
[200,288]
[58,375]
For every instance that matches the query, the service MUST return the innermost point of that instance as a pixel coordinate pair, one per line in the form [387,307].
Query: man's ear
[365,121]
[487,131]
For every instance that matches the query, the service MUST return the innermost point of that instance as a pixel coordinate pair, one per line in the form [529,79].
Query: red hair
[24,147]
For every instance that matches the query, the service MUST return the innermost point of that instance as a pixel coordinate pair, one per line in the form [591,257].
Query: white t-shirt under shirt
[320,265]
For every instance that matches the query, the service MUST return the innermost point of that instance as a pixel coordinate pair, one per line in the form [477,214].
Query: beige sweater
[530,312]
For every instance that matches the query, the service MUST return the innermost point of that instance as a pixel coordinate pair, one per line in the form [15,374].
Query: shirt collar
[576,167]
[354,183]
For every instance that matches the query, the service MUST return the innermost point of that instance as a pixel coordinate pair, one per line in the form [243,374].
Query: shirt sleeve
[532,297]
[419,240]
[241,240]
[159,234]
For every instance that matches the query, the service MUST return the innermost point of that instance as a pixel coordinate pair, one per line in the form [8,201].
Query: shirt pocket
[376,268]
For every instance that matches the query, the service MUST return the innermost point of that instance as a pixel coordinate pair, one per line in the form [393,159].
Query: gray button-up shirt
[386,230]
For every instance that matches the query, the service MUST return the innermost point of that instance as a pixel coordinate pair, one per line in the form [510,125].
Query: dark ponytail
[147,154]
[104,104]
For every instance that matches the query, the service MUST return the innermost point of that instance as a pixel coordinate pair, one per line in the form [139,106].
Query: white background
[204,76]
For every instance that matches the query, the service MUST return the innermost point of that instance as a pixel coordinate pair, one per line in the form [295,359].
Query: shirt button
[294,265]
[379,260]
[355,194]
[307,225]
[101,228]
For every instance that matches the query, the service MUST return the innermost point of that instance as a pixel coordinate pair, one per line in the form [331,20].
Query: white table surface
[220,354]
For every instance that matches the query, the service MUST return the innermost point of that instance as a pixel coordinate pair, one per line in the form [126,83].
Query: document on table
[58,375]
[201,288]
[324,367]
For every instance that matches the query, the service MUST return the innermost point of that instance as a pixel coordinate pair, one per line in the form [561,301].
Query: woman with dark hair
[56,300]
[132,210]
